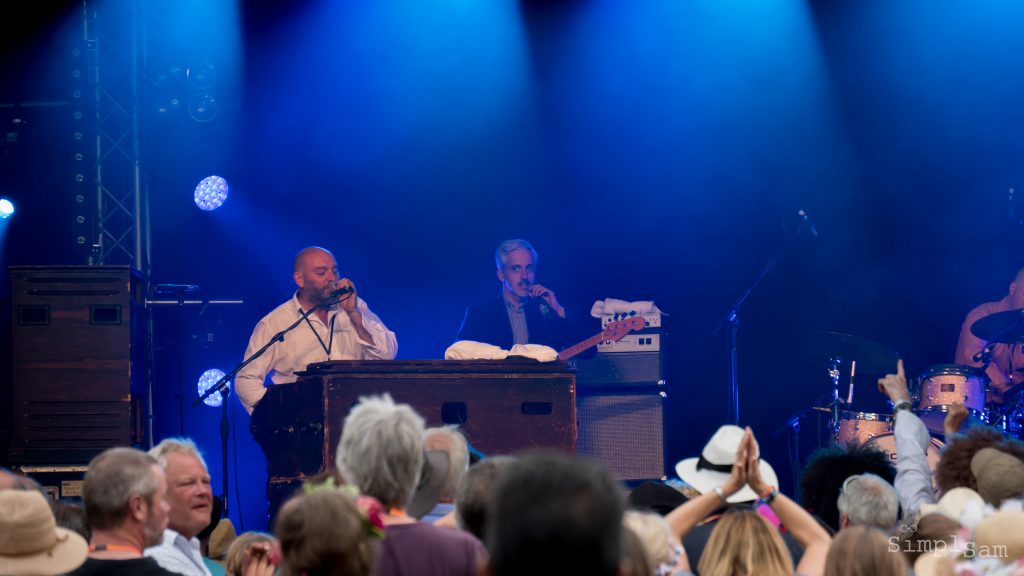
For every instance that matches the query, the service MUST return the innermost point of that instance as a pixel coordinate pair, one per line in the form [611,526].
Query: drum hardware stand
[834,406]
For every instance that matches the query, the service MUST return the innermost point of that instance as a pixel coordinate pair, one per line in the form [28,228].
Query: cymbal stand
[833,374]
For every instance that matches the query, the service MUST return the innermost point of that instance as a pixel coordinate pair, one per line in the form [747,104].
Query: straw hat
[31,544]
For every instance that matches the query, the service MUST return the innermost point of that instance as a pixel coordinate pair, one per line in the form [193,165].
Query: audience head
[450,440]
[954,468]
[31,543]
[868,500]
[322,532]
[474,501]
[71,515]
[714,465]
[826,470]
[744,543]
[234,564]
[635,559]
[221,539]
[1002,531]
[555,514]
[953,503]
[188,485]
[661,545]
[922,535]
[10,480]
[433,477]
[124,488]
[655,497]
[999,475]
[863,551]
[381,449]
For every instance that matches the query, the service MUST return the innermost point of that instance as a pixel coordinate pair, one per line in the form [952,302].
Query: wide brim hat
[714,466]
[31,543]
[433,477]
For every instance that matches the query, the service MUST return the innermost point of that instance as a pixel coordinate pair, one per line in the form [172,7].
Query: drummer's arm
[968,345]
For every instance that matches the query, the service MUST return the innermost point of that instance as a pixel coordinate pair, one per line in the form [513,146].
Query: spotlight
[202,107]
[211,192]
[6,208]
[206,381]
[167,108]
[201,75]
[166,76]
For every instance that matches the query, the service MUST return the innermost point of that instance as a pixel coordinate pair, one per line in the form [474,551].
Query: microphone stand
[732,318]
[222,386]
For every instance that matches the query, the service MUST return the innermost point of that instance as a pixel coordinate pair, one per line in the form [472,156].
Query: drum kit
[933,392]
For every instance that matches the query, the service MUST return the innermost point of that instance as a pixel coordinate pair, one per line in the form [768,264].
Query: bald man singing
[346,330]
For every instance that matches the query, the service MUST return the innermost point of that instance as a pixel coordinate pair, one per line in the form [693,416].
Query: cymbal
[871,357]
[1003,327]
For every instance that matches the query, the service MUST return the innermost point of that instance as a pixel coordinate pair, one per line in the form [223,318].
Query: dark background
[650,150]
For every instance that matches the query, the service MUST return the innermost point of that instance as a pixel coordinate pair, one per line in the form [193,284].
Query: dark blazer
[488,322]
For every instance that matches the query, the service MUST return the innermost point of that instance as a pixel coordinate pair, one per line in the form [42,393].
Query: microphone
[341,291]
[807,221]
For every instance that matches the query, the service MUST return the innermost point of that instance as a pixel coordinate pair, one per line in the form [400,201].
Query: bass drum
[887,443]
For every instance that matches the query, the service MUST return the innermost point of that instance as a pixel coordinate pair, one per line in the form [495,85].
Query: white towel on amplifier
[611,306]
[472,350]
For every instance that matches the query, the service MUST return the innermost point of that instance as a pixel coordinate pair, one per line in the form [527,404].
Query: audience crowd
[406,500]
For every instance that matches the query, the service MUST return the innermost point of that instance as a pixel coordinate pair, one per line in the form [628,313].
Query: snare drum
[940,386]
[861,426]
[887,443]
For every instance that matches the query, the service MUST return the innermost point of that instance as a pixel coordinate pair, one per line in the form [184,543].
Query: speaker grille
[625,432]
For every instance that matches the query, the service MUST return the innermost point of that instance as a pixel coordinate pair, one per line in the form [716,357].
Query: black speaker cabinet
[624,427]
[73,361]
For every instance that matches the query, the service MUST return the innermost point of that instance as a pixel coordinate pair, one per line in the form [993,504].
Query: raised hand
[894,386]
[754,480]
[539,291]
[954,419]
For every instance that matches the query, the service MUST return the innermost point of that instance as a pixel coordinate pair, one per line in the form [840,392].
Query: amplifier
[618,369]
[624,429]
[651,320]
[635,342]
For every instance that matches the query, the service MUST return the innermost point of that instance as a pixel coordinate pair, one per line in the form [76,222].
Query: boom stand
[732,318]
[223,386]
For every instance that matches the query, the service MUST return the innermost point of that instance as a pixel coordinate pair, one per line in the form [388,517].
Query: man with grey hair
[381,453]
[124,495]
[191,500]
[524,312]
[868,500]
